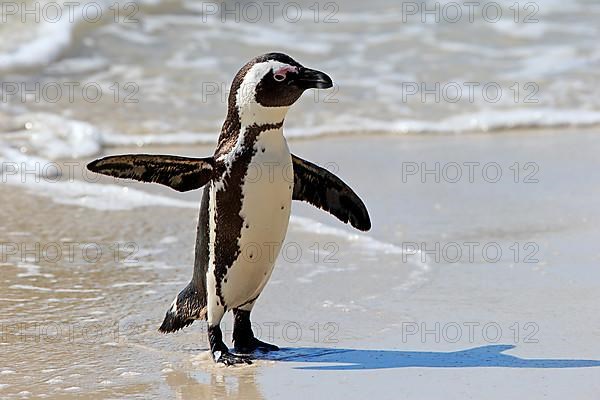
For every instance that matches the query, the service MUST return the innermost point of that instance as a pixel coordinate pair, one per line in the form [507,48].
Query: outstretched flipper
[179,173]
[326,191]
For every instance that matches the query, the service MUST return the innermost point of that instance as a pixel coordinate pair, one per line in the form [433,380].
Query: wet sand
[356,315]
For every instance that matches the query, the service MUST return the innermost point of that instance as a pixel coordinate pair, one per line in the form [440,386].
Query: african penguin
[250,182]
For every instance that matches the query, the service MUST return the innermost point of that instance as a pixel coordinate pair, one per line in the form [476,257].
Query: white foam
[7,372]
[483,121]
[104,197]
[44,289]
[521,118]
[370,245]
[77,192]
[127,284]
[31,271]
[365,241]
[50,41]
[178,138]
[78,65]
[130,373]
[54,137]
[54,37]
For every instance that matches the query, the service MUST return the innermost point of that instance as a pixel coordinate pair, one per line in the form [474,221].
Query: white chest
[267,198]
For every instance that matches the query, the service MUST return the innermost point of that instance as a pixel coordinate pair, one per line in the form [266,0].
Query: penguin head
[269,84]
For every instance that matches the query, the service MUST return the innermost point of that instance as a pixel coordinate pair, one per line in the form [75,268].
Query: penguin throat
[256,114]
[232,143]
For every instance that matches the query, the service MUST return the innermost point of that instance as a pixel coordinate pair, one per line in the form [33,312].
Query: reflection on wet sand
[236,384]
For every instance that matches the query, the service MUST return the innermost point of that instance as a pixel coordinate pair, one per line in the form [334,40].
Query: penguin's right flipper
[179,173]
[326,191]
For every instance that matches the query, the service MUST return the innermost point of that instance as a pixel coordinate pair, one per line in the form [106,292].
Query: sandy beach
[478,280]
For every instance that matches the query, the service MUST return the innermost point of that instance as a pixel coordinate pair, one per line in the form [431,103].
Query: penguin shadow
[355,359]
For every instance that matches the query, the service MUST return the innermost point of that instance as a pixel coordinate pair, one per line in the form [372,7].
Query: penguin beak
[313,79]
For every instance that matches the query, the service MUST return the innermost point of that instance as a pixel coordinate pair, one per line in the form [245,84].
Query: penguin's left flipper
[326,191]
[179,173]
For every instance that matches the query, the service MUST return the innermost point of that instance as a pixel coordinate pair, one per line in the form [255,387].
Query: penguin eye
[279,77]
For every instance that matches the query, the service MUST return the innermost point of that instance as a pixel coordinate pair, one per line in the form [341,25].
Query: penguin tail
[188,306]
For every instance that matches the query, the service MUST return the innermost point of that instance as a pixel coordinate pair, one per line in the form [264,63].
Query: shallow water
[86,282]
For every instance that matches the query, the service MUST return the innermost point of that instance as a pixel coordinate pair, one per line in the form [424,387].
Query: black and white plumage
[250,182]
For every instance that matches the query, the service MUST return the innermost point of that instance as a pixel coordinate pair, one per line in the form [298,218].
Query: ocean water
[86,325]
[79,78]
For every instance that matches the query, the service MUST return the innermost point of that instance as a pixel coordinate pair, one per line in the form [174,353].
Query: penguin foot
[244,340]
[252,345]
[228,358]
[220,352]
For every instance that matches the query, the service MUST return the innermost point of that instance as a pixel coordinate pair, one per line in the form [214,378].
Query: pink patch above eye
[282,72]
